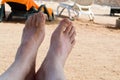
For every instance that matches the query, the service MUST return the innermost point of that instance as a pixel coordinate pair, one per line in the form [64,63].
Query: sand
[96,55]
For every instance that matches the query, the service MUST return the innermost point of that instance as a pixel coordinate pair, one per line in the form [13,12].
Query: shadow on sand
[22,20]
[108,15]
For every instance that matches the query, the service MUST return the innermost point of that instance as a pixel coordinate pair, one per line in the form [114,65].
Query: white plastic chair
[78,7]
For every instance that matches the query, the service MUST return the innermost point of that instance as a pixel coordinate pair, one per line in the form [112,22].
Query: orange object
[28,3]
[50,11]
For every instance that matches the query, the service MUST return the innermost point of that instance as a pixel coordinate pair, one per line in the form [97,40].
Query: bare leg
[62,42]
[31,74]
[33,35]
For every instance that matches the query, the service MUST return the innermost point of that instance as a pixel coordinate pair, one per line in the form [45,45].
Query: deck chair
[2,12]
[25,8]
[78,7]
[19,10]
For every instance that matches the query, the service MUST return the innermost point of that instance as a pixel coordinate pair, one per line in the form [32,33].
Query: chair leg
[60,11]
[69,14]
[75,13]
[4,16]
[91,16]
[0,18]
[1,15]
[2,12]
[53,16]
[70,17]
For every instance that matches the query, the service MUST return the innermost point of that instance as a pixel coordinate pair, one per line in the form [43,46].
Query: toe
[63,25]
[33,23]
[72,38]
[40,19]
[73,42]
[28,21]
[68,29]
[71,31]
[66,20]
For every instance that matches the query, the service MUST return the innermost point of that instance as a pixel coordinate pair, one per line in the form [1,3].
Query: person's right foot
[62,42]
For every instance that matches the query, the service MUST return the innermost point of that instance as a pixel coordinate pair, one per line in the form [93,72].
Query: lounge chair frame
[2,12]
[78,7]
[19,10]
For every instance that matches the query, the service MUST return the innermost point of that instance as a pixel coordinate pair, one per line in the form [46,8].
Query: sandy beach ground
[96,55]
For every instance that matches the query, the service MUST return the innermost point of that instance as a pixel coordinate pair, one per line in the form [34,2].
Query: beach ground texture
[96,55]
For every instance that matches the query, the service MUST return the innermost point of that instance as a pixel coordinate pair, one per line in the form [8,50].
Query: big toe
[40,19]
[63,25]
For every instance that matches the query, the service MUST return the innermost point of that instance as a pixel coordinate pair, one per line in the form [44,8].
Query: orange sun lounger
[25,8]
[28,3]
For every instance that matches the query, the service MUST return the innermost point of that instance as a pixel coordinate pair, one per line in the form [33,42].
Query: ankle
[54,67]
[56,56]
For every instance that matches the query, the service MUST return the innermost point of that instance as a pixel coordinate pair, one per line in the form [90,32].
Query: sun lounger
[25,8]
[78,7]
[20,10]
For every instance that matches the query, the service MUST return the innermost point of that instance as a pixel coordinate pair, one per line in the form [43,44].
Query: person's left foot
[33,35]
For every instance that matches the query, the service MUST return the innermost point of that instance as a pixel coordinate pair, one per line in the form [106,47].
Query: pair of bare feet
[62,42]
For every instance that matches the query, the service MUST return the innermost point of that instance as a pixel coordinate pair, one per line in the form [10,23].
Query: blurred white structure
[78,7]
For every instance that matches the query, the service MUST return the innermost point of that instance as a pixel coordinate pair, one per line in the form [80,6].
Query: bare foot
[33,35]
[62,42]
